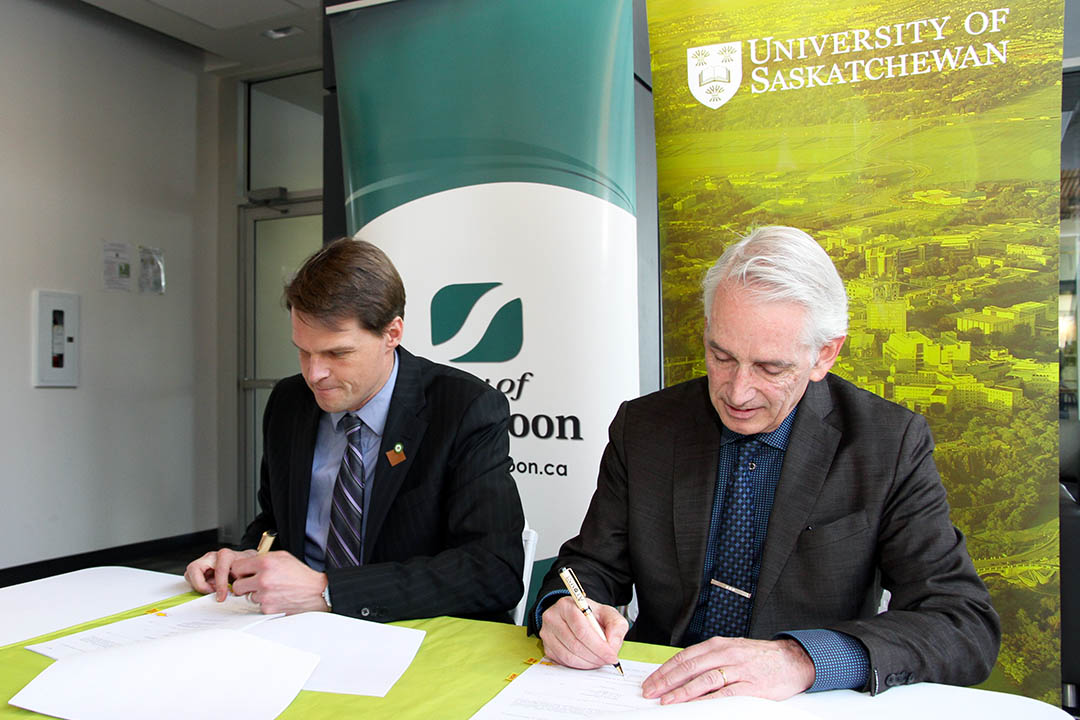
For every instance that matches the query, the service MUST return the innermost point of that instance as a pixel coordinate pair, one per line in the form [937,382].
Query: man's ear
[826,357]
[393,332]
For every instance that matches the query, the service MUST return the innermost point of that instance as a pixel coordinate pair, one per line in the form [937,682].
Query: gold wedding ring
[723,675]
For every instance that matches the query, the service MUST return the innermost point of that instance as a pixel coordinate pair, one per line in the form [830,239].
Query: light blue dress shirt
[330,447]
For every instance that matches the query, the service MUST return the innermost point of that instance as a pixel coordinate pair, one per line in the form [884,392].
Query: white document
[547,691]
[210,673]
[116,258]
[50,604]
[151,270]
[358,657]
[205,613]
[910,702]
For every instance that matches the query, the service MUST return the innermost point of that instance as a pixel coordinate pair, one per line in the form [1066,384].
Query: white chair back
[528,541]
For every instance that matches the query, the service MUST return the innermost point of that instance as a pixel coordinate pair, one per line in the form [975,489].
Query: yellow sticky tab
[511,676]
[531,661]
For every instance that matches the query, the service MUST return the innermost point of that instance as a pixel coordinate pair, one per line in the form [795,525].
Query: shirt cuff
[545,602]
[840,661]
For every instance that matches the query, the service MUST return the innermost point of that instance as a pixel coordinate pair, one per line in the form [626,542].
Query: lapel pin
[397,455]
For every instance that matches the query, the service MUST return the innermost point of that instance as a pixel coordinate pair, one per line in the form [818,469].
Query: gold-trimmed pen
[266,541]
[574,587]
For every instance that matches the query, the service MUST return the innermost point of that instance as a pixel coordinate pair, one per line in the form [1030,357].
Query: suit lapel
[696,449]
[809,455]
[405,425]
[304,439]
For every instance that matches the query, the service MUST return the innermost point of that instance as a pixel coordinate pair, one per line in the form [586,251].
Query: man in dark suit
[385,476]
[760,511]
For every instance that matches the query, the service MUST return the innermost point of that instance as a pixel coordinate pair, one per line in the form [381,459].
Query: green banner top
[440,94]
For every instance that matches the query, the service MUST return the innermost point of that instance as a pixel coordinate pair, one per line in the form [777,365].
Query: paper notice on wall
[117,266]
[151,270]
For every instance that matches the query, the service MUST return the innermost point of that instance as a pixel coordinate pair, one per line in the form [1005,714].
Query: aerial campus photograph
[936,193]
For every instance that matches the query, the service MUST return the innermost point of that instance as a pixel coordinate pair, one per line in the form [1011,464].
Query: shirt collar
[375,410]
[778,438]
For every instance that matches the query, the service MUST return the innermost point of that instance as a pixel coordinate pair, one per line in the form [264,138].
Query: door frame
[296,205]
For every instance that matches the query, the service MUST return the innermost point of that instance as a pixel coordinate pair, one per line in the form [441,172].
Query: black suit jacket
[444,525]
[859,506]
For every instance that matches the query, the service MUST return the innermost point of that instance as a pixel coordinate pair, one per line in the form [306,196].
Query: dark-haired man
[386,476]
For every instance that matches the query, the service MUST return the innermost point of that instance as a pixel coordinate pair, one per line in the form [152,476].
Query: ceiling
[230,31]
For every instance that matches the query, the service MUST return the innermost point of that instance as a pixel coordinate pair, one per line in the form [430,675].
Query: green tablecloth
[460,666]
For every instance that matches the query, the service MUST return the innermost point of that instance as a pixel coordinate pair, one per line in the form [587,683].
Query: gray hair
[784,264]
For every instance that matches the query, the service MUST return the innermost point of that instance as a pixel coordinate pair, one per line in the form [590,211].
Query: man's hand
[720,666]
[570,639]
[279,583]
[213,571]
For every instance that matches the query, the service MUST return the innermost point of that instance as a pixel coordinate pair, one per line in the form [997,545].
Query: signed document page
[205,613]
[547,691]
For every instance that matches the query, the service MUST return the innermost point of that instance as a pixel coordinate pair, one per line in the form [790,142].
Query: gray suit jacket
[859,506]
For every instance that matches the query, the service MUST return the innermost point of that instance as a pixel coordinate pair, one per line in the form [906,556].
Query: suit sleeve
[600,554]
[456,534]
[940,625]
[266,519]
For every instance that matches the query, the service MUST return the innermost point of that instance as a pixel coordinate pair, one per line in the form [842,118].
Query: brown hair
[348,279]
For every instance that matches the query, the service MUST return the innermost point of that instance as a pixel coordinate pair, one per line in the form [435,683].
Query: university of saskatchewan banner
[918,142]
[489,149]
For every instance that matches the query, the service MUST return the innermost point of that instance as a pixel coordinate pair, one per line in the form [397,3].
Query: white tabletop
[928,700]
[54,603]
[908,702]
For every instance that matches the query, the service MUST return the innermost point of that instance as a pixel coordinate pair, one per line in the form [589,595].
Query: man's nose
[316,369]
[742,385]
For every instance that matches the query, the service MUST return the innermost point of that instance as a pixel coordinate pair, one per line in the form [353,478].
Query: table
[468,661]
[464,663]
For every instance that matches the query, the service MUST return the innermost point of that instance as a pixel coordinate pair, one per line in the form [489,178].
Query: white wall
[108,133]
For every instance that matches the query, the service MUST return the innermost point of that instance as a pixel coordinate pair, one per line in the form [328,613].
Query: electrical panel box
[56,339]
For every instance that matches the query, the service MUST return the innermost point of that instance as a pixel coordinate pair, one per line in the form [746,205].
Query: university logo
[714,72]
[450,309]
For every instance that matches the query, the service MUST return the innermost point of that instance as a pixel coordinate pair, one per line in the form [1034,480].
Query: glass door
[277,241]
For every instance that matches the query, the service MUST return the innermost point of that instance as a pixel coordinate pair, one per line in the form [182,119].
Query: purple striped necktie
[345,540]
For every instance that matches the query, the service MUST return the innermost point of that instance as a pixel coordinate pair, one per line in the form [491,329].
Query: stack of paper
[226,656]
[50,604]
[210,673]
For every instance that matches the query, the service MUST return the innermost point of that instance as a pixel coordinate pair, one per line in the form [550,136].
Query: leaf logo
[450,308]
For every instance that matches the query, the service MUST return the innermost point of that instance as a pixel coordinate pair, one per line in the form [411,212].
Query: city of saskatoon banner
[918,142]
[489,149]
